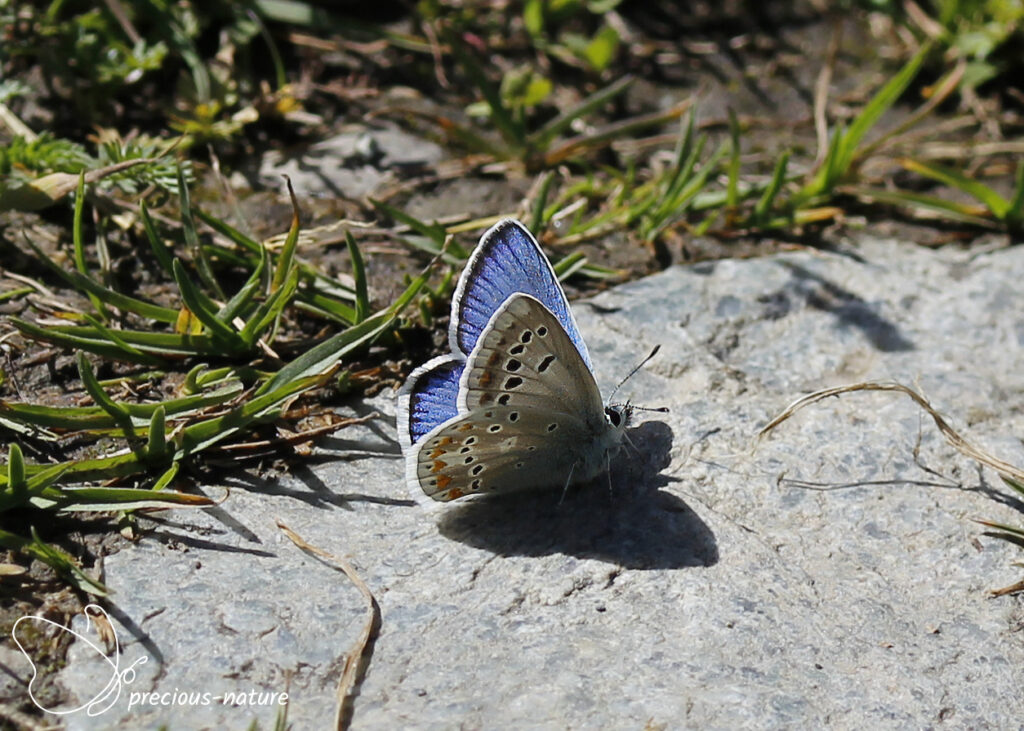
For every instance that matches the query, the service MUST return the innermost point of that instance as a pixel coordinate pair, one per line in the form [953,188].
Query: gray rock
[351,164]
[709,589]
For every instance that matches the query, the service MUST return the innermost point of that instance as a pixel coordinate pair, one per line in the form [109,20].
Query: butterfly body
[521,410]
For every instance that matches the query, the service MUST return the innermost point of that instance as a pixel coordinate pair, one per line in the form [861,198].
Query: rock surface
[351,164]
[826,577]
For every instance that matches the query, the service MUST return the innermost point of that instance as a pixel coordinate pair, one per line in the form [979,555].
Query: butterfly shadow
[636,525]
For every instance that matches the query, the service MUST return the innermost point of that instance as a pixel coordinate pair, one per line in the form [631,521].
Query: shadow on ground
[636,526]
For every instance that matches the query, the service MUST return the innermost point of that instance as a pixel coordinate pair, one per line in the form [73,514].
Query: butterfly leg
[608,471]
[568,482]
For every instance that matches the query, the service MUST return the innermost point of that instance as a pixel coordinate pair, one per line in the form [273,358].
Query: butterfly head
[618,415]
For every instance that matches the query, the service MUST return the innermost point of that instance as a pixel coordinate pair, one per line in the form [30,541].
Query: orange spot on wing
[454,494]
[438,466]
[485,378]
[465,427]
[443,481]
[437,453]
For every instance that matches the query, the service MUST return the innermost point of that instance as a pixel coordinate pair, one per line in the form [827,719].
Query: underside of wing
[525,359]
[499,449]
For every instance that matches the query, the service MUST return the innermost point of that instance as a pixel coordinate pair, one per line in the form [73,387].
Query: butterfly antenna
[632,373]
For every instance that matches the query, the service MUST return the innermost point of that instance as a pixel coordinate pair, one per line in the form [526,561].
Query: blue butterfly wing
[508,260]
[429,397]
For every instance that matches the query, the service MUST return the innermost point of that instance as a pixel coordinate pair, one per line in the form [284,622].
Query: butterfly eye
[614,417]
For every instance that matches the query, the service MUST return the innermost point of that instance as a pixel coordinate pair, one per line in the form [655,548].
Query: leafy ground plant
[235,381]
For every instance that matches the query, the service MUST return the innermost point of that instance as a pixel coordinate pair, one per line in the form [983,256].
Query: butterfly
[515,405]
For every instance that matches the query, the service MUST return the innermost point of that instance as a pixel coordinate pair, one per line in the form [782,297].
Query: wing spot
[546,363]
[512,382]
[495,428]
[552,426]
[526,337]
[489,414]
[465,427]
[513,365]
[464,450]
[443,481]
[520,465]
[470,441]
[517,349]
[504,398]
[438,466]
[475,485]
[542,331]
[469,459]
[532,448]
[477,470]
[454,494]
[514,416]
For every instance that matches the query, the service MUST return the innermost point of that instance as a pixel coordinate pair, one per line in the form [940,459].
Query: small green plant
[549,23]
[94,57]
[213,404]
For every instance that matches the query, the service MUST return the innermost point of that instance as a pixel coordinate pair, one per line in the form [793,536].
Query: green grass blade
[17,487]
[102,499]
[170,345]
[98,395]
[111,335]
[327,307]
[188,225]
[79,245]
[160,251]
[229,232]
[156,439]
[72,341]
[93,418]
[931,205]
[732,198]
[202,435]
[569,265]
[546,134]
[1015,213]
[321,358]
[767,200]
[205,310]
[537,217]
[167,477]
[53,557]
[359,276]
[878,105]
[433,231]
[78,281]
[269,312]
[286,261]
[511,130]
[955,179]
